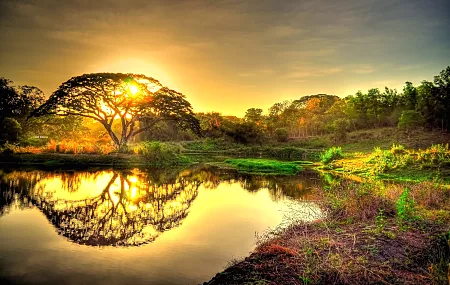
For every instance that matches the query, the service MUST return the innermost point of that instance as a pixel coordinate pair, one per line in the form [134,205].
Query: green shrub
[410,119]
[158,153]
[331,154]
[399,157]
[435,155]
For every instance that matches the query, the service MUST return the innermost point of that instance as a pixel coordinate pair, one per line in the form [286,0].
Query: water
[138,227]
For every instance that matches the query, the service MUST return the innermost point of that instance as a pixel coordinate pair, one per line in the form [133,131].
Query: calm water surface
[138,227]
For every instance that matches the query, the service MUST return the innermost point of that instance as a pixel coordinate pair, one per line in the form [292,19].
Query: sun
[133,89]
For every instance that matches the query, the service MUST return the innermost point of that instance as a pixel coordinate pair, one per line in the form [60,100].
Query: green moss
[264,166]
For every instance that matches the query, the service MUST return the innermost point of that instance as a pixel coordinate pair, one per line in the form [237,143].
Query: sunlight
[133,89]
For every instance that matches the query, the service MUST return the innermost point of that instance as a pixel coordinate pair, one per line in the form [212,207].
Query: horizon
[228,56]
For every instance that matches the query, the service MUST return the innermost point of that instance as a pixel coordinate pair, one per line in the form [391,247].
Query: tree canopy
[138,101]
[16,104]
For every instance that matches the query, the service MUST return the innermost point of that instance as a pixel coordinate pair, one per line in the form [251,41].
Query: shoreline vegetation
[387,201]
[373,233]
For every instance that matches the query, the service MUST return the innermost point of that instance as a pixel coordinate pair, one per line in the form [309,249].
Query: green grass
[264,166]
[331,154]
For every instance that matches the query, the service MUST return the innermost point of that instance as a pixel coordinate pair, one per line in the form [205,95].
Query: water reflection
[127,208]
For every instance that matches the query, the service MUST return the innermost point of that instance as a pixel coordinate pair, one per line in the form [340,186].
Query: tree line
[128,107]
[426,105]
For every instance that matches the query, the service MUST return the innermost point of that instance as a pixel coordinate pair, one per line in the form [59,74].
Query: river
[139,226]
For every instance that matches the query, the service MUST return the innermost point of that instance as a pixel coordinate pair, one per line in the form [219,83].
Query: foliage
[138,101]
[340,129]
[331,154]
[410,119]
[266,166]
[380,221]
[405,207]
[158,153]
[282,134]
[209,144]
[10,130]
[16,103]
[399,157]
[245,133]
[254,115]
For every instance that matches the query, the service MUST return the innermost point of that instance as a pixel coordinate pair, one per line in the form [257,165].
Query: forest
[424,106]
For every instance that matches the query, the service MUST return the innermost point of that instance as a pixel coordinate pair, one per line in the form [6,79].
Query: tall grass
[331,154]
[400,157]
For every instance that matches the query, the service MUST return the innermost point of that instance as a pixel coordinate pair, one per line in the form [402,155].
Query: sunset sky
[228,56]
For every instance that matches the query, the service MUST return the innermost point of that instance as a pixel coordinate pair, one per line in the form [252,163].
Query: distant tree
[410,119]
[10,130]
[137,101]
[442,98]
[16,104]
[246,133]
[409,96]
[254,115]
[282,135]
[211,124]
[340,129]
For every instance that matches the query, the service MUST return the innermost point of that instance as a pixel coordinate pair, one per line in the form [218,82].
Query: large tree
[137,101]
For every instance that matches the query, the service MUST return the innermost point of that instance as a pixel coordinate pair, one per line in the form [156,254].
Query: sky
[228,56]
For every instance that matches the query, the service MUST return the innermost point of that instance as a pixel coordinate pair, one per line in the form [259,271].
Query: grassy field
[397,163]
[265,166]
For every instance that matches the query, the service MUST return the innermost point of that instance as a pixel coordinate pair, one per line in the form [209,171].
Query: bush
[399,157]
[331,154]
[410,119]
[340,130]
[158,153]
[281,135]
[435,155]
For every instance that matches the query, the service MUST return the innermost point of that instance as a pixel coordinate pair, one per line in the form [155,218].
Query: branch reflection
[127,208]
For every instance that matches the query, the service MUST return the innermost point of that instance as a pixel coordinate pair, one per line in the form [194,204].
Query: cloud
[313,72]
[362,69]
[283,31]
[261,72]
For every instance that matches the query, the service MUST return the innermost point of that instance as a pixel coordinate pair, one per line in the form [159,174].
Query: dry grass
[353,245]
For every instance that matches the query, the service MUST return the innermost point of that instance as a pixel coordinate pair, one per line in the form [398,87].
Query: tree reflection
[130,210]
[280,187]
[130,207]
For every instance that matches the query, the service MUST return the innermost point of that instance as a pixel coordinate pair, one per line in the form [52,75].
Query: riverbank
[396,163]
[373,234]
[85,161]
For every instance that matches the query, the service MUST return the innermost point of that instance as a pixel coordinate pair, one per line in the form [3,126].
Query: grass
[264,166]
[398,163]
[331,154]
[376,233]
